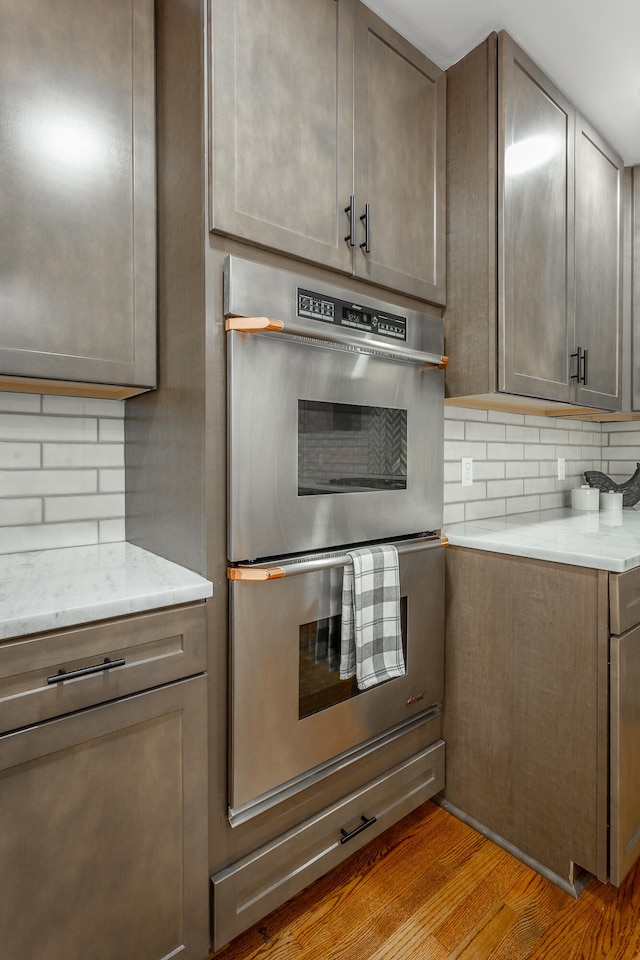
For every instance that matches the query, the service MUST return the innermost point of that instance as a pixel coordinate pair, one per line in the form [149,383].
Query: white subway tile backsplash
[20,402]
[505,451]
[111,431]
[481,509]
[62,473]
[19,510]
[82,455]
[455,449]
[18,456]
[539,451]
[505,488]
[97,506]
[44,536]
[25,427]
[522,468]
[111,481]
[518,434]
[83,407]
[485,431]
[41,483]
[522,504]
[525,464]
[454,430]
[111,531]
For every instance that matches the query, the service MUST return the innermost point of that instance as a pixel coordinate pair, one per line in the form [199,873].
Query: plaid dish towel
[371,641]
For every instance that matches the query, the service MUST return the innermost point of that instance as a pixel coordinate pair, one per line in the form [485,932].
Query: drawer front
[624,600]
[147,650]
[249,889]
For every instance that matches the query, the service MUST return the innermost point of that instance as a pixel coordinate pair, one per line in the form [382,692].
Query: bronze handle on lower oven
[255,574]
[349,835]
[106,664]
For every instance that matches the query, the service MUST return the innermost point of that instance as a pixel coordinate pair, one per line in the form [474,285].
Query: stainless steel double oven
[335,439]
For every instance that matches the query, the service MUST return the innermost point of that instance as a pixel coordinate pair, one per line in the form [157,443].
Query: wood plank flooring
[431,888]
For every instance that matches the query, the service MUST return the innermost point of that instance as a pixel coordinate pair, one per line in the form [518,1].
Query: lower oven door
[290,712]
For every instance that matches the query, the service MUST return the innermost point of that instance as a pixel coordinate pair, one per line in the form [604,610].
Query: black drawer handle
[354,833]
[106,664]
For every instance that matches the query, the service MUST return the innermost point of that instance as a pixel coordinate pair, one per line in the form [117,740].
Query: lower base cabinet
[103,841]
[542,711]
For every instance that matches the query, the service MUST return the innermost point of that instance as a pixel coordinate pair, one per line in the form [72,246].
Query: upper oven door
[335,434]
[328,446]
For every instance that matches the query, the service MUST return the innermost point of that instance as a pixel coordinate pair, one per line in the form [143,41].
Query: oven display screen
[353,316]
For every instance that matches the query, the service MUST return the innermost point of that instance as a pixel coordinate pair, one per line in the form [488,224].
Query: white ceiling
[589,48]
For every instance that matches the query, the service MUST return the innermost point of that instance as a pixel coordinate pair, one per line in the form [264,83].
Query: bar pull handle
[582,365]
[350,210]
[366,218]
[577,357]
[346,835]
[255,574]
[252,324]
[106,664]
[585,367]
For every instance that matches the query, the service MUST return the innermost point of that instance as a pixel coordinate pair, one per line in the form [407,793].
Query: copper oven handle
[252,324]
[256,574]
[326,333]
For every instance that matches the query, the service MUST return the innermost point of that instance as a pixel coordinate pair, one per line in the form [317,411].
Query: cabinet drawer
[156,648]
[249,889]
[624,600]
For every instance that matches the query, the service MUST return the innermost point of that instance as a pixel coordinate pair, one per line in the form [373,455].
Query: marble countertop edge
[54,589]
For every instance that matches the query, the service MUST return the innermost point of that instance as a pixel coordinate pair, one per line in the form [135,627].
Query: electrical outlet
[467,471]
[561,469]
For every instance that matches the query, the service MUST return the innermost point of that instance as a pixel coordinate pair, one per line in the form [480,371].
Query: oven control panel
[344,313]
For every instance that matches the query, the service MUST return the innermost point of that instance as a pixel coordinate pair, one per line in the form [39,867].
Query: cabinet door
[399,162]
[535,230]
[77,191]
[635,293]
[103,849]
[282,125]
[625,757]
[598,268]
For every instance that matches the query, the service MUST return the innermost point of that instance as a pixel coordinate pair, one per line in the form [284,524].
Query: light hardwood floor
[431,888]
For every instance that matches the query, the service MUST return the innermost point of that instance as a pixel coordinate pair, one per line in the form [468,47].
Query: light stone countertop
[51,589]
[605,540]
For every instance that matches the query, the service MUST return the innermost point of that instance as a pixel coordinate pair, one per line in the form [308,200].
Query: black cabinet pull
[582,365]
[106,664]
[366,218]
[354,833]
[351,236]
[585,366]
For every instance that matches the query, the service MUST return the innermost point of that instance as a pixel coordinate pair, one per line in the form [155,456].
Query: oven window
[346,448]
[320,685]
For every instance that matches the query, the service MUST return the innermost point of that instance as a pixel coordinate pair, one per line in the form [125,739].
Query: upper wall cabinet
[329,141]
[534,237]
[77,153]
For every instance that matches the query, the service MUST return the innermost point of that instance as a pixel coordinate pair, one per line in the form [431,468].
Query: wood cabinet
[328,141]
[534,238]
[77,249]
[103,851]
[542,735]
